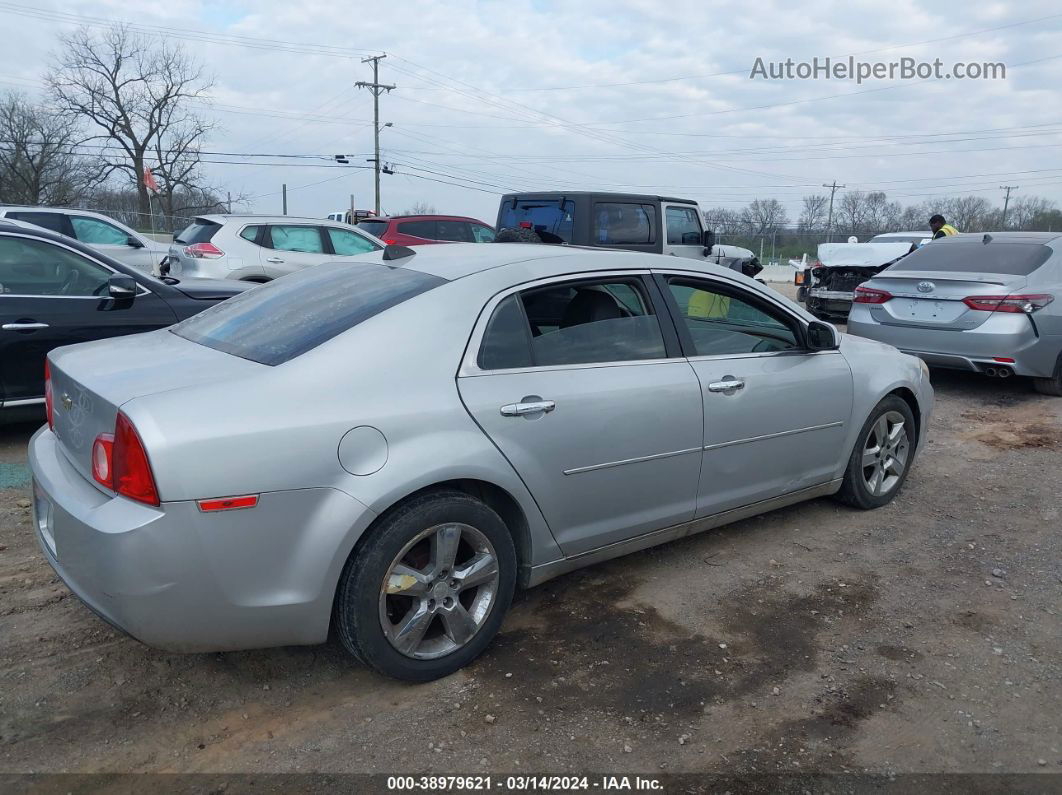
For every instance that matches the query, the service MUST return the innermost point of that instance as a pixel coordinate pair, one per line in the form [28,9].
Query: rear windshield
[1013,259]
[285,318]
[374,228]
[552,219]
[199,231]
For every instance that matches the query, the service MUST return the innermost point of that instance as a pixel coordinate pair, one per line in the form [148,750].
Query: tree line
[117,103]
[865,214]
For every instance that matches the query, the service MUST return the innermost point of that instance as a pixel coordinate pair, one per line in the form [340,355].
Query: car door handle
[274,259]
[729,385]
[523,409]
[23,326]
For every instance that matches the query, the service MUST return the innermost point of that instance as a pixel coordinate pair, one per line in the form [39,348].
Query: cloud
[463,111]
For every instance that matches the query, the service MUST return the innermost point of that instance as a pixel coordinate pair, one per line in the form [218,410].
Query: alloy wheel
[439,591]
[885,453]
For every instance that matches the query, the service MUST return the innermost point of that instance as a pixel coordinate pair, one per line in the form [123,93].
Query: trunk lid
[934,299]
[91,381]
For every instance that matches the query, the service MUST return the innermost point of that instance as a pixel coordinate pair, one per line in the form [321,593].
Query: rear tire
[1050,386]
[411,603]
[882,457]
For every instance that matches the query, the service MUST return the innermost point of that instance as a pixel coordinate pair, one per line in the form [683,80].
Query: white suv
[99,231]
[258,248]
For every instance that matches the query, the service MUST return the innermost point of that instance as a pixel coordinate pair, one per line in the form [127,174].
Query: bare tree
[135,90]
[764,216]
[723,221]
[1023,209]
[813,213]
[39,163]
[421,208]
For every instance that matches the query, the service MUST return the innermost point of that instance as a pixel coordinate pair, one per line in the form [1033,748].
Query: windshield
[278,321]
[550,218]
[1013,259]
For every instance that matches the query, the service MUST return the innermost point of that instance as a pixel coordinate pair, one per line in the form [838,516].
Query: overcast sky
[631,95]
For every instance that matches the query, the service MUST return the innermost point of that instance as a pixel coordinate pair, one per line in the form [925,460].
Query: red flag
[149,181]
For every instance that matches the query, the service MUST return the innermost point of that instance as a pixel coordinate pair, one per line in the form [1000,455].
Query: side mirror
[823,336]
[121,286]
[709,241]
[132,242]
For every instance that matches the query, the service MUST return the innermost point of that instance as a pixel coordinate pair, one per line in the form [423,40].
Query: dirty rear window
[1012,259]
[278,321]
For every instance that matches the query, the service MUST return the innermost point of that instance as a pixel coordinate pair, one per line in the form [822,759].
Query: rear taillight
[868,295]
[120,462]
[203,251]
[1018,304]
[389,241]
[48,395]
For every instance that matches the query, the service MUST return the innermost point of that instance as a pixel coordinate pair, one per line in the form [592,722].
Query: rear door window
[287,317]
[306,239]
[552,219]
[1012,259]
[622,223]
[424,229]
[455,231]
[582,323]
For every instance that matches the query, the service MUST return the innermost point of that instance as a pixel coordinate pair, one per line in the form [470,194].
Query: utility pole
[1006,201]
[353,218]
[377,88]
[284,194]
[829,218]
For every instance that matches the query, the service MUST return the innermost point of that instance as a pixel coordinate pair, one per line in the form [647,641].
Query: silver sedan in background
[390,446]
[983,303]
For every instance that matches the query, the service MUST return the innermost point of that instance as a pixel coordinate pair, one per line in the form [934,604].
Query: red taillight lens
[102,460]
[389,241]
[130,470]
[1019,304]
[48,395]
[868,295]
[203,251]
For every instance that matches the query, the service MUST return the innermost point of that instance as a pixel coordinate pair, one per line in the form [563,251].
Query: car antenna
[393,251]
[986,239]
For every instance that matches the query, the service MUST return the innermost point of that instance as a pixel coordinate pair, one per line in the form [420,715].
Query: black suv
[56,291]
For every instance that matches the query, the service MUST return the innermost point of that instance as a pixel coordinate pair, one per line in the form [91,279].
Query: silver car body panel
[215,425]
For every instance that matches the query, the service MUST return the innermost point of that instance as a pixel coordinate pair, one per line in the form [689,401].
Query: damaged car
[827,287]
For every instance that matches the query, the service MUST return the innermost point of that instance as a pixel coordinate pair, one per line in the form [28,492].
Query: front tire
[428,590]
[882,457]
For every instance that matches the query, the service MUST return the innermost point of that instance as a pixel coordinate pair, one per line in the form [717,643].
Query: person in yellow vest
[940,227]
[708,305]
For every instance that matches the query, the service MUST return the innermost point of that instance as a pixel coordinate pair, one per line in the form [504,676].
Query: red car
[420,230]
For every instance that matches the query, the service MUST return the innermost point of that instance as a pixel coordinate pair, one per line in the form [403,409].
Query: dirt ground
[922,637]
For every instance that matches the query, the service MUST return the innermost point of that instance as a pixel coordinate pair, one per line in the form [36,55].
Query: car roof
[222,218]
[458,260]
[926,233]
[428,217]
[570,194]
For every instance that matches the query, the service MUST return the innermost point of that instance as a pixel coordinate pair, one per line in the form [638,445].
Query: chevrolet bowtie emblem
[68,402]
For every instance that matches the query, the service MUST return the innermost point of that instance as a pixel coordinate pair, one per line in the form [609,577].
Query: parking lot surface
[924,636]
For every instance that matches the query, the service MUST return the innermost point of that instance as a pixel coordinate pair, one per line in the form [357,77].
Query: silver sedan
[390,446]
[982,303]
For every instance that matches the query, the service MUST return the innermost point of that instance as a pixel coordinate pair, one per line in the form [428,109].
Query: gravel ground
[922,637]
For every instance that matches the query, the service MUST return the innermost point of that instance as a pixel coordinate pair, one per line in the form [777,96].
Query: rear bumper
[1001,335]
[178,579]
